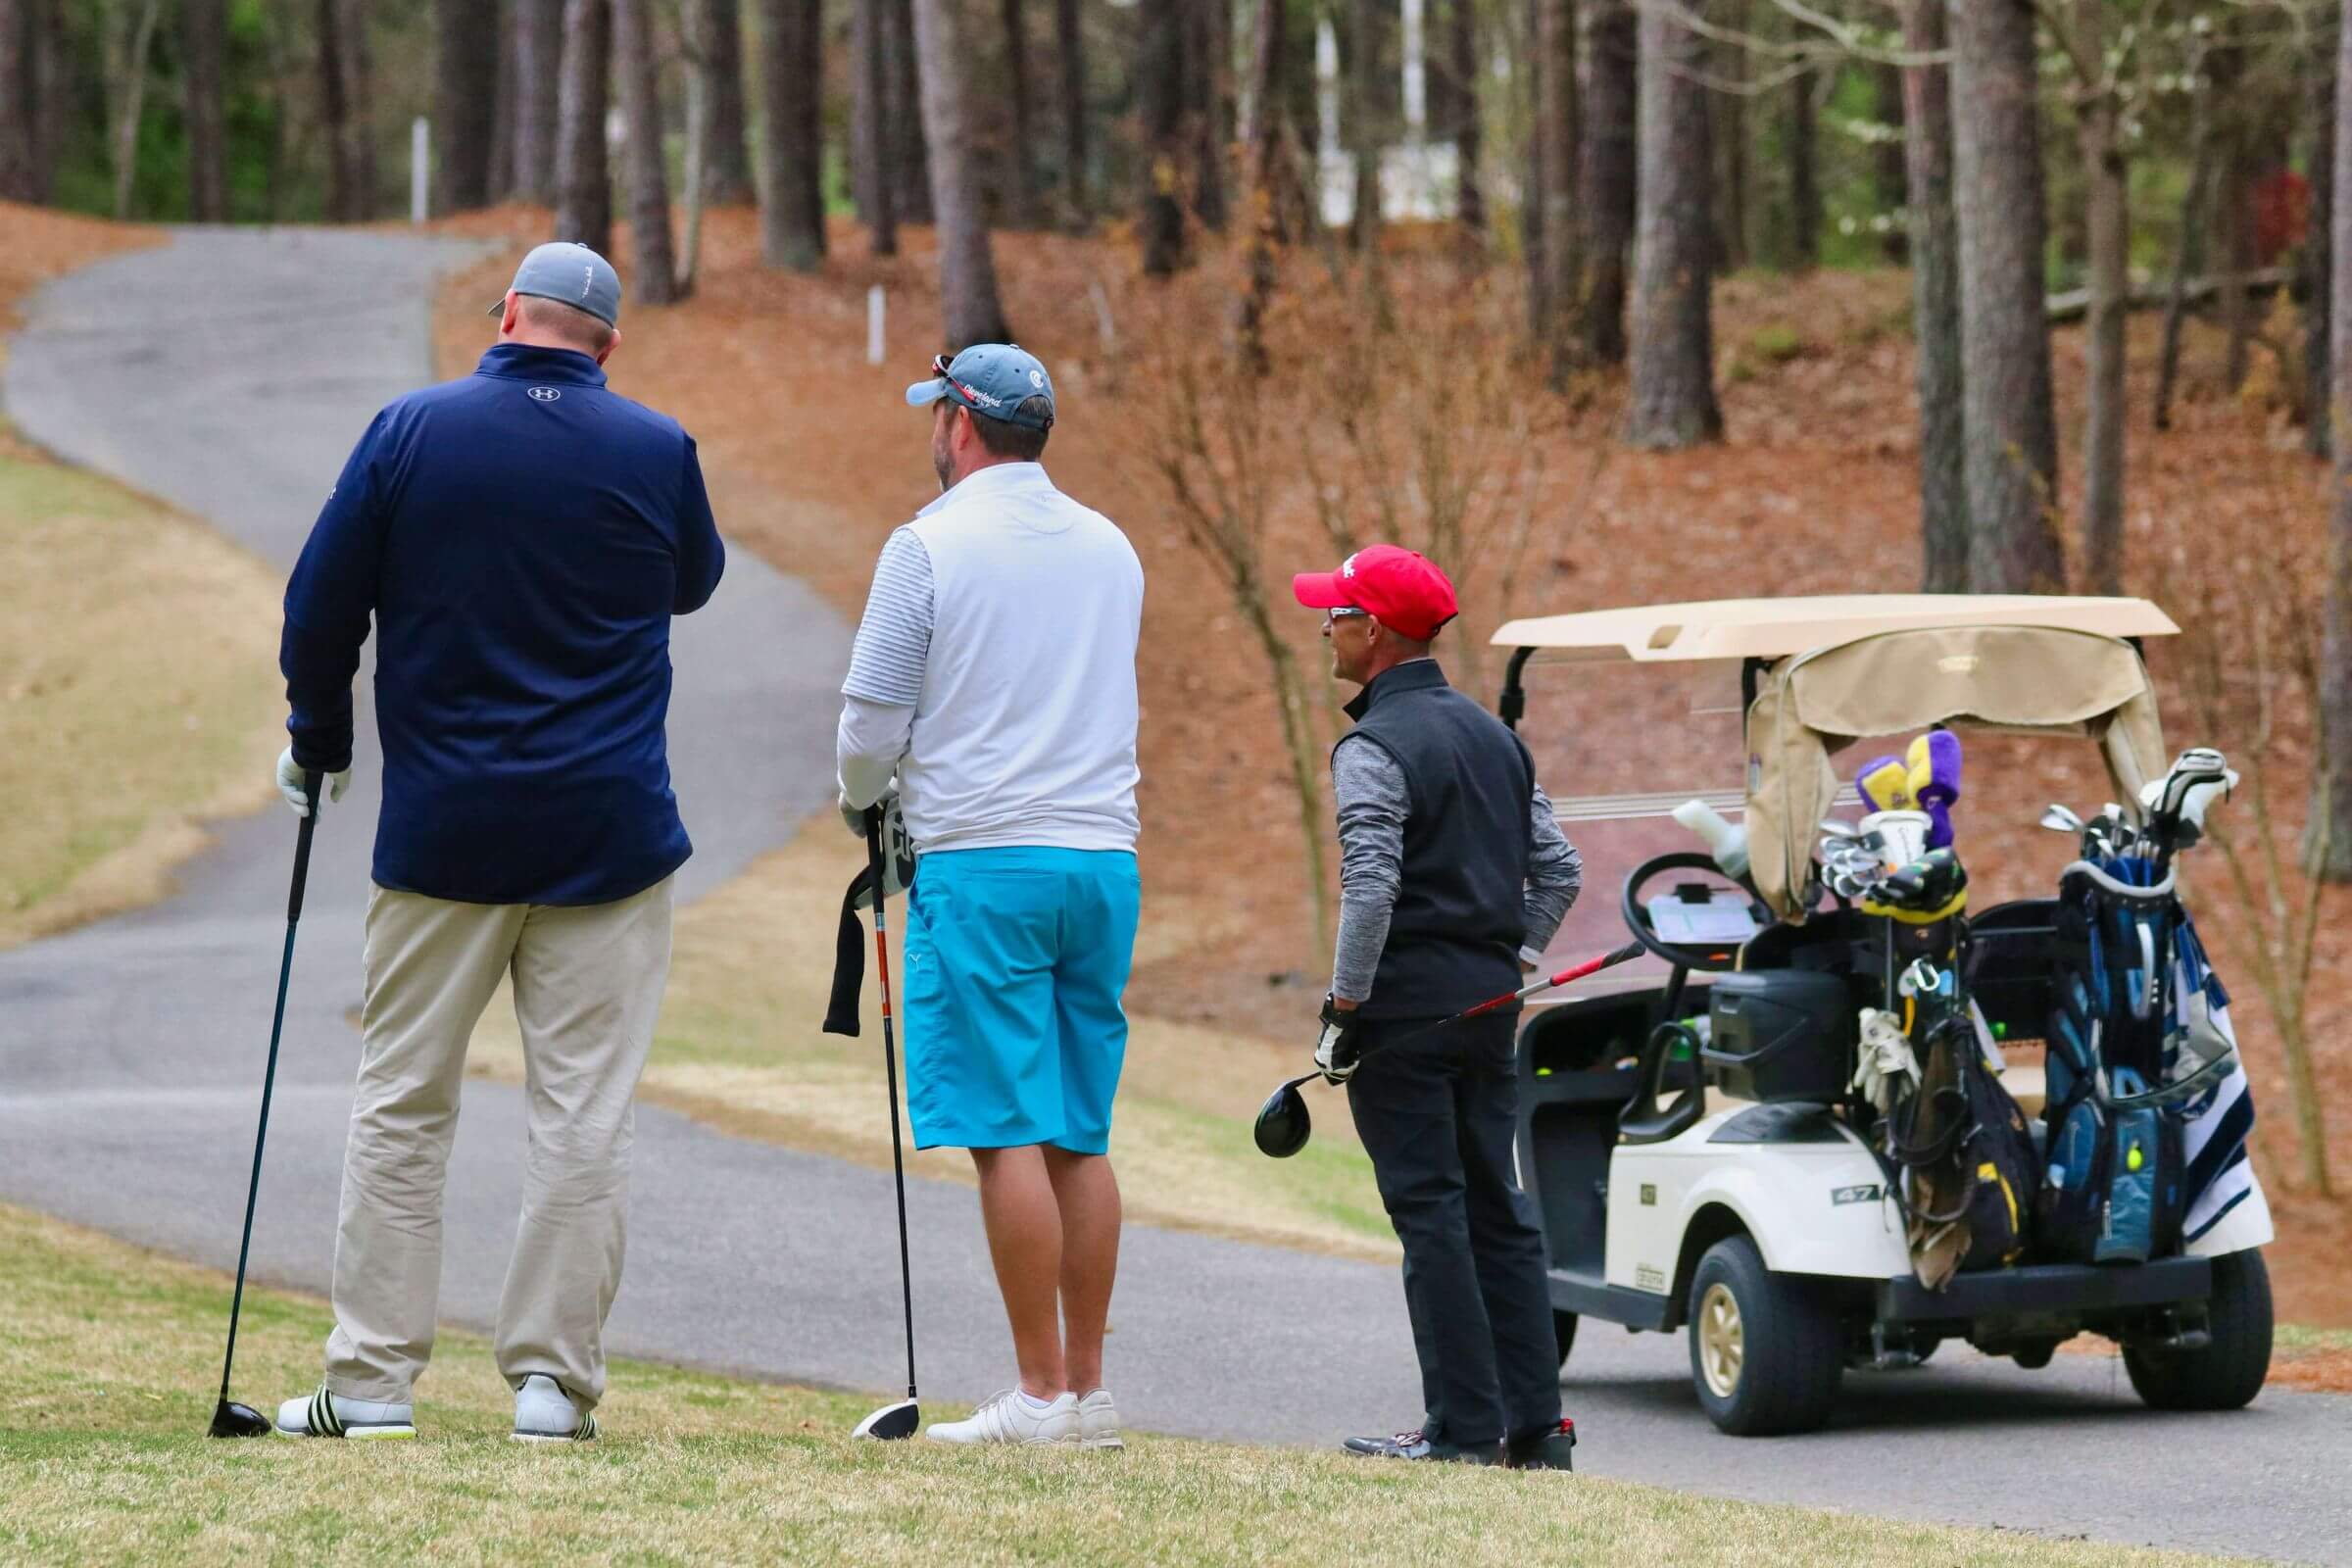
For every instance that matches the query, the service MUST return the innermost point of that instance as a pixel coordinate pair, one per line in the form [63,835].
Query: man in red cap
[1453,875]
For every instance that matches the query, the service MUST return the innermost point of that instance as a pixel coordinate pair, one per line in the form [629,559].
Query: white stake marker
[873,325]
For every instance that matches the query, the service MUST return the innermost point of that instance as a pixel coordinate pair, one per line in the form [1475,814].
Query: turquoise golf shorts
[1015,963]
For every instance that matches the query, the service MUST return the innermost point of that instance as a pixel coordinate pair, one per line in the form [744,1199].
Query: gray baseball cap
[990,378]
[572,274]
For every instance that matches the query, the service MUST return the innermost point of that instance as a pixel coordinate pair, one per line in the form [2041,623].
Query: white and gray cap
[572,274]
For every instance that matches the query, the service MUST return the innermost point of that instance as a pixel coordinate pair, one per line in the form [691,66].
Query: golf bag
[1969,1174]
[2141,1069]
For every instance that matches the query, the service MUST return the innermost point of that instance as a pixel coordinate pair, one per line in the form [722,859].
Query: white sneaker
[1099,1422]
[1009,1417]
[331,1415]
[544,1412]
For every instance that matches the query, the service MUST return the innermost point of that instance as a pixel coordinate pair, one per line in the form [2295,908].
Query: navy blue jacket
[521,537]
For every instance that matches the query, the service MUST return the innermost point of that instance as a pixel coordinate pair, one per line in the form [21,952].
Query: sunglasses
[1342,612]
[970,397]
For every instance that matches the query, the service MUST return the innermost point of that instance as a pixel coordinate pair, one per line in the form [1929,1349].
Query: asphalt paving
[228,372]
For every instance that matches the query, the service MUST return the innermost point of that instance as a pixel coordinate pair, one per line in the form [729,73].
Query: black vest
[1460,916]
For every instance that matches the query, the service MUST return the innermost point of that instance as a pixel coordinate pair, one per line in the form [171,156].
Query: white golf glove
[852,818]
[289,783]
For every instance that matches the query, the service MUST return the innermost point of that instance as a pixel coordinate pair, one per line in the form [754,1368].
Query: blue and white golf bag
[2148,1109]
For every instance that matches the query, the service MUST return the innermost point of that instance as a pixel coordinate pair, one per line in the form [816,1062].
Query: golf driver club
[232,1419]
[1283,1124]
[899,1420]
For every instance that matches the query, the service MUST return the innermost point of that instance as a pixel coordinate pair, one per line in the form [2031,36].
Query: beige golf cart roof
[1775,628]
[1835,670]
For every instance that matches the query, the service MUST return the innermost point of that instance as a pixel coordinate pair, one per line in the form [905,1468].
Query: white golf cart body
[1634,1195]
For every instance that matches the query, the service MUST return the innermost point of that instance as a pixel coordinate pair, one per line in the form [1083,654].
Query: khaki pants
[587,983]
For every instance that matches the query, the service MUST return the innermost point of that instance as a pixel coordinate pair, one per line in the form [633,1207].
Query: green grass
[109,1359]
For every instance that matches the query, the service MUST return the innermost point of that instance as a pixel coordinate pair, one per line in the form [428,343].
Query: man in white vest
[993,686]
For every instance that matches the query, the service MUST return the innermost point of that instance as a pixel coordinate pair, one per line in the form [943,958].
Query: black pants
[1438,1116]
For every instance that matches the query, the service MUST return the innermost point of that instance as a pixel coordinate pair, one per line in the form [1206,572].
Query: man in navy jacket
[522,538]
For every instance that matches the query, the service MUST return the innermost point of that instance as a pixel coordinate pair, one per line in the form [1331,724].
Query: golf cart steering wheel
[1635,907]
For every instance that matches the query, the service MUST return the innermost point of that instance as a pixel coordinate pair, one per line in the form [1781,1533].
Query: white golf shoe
[1099,1422]
[544,1412]
[331,1415]
[1009,1417]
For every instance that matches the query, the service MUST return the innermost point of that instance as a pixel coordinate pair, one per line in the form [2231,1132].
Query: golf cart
[1705,1156]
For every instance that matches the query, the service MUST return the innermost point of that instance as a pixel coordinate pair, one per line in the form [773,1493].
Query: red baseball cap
[1402,589]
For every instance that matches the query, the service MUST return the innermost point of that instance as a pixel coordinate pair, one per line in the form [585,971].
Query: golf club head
[1282,1122]
[2061,819]
[893,1422]
[232,1419]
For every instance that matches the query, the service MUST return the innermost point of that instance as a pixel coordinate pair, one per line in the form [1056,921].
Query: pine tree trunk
[464,102]
[968,267]
[2210,78]
[2327,841]
[1469,133]
[1935,301]
[792,213]
[2106,182]
[20,101]
[2319,253]
[584,178]
[1605,172]
[1069,47]
[1270,143]
[1530,182]
[717,27]
[2012,435]
[1727,122]
[911,159]
[1209,79]
[134,96]
[355,39]
[1555,130]
[502,126]
[1673,329]
[1889,178]
[204,52]
[52,107]
[1020,196]
[1362,125]
[1159,112]
[334,114]
[872,141]
[1804,171]
[656,264]
[538,79]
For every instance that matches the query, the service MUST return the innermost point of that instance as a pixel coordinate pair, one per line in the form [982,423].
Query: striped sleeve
[894,637]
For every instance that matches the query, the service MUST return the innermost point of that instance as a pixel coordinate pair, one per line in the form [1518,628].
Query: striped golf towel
[2217,1125]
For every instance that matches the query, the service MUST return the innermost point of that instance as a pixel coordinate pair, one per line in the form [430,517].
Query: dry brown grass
[109,1359]
[138,698]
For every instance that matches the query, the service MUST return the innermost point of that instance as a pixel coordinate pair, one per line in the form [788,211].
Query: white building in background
[1418,178]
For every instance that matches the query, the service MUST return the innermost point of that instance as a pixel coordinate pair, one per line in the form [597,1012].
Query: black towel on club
[849,956]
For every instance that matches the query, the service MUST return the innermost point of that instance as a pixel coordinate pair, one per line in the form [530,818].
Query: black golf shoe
[1553,1449]
[1422,1445]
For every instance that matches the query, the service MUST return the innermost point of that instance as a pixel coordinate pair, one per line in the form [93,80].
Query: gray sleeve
[894,636]
[1555,875]
[1372,797]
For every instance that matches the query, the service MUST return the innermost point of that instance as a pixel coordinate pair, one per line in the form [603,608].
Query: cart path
[203,371]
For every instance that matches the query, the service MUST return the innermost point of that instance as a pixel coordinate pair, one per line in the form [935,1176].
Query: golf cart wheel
[1563,1330]
[1766,1350]
[2232,1366]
